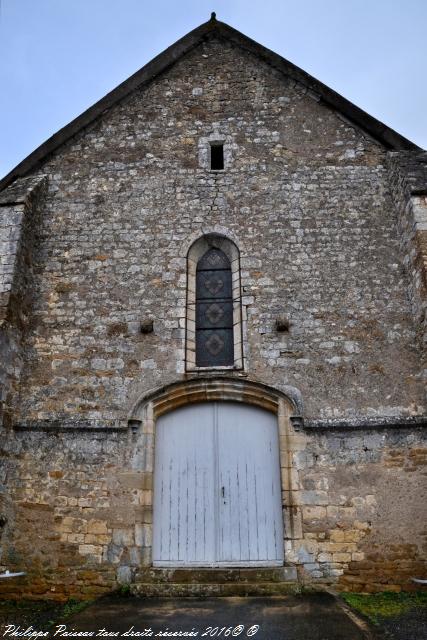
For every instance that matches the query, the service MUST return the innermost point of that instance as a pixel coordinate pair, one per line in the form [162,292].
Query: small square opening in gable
[217,156]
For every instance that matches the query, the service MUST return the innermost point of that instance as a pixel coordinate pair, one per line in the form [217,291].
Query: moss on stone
[386,604]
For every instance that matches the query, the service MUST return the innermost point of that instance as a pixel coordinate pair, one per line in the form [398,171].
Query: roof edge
[154,67]
[378,130]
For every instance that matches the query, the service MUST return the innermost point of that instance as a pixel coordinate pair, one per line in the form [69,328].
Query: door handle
[223,492]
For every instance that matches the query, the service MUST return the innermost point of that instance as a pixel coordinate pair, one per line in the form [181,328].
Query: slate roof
[376,129]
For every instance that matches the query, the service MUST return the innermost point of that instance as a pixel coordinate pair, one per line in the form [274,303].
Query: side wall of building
[20,207]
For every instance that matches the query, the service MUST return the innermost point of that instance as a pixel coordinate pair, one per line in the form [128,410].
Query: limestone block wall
[81,516]
[310,203]
[364,509]
[19,221]
[408,181]
[306,199]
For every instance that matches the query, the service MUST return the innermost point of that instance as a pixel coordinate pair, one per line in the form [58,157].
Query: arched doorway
[152,408]
[217,487]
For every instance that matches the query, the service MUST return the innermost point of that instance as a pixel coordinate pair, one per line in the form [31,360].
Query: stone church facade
[133,405]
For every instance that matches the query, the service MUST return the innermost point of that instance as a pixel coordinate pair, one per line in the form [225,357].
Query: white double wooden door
[217,490]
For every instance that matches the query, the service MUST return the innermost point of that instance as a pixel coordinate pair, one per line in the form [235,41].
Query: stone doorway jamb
[142,420]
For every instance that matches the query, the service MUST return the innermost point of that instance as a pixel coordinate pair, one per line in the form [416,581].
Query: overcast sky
[58,57]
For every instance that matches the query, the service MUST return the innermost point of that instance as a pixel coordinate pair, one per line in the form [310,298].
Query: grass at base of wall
[379,606]
[42,613]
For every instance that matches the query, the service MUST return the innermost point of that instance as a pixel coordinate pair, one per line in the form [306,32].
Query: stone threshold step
[153,575]
[214,589]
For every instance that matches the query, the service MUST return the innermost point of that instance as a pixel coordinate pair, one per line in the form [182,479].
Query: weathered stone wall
[61,500]
[307,199]
[364,513]
[19,222]
[408,182]
[81,521]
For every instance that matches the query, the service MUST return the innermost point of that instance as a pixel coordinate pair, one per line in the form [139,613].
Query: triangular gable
[379,131]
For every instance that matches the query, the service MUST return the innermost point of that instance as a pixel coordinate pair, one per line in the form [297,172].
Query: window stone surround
[196,251]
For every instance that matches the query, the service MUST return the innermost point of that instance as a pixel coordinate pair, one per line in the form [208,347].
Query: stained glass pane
[213,259]
[214,310]
[214,348]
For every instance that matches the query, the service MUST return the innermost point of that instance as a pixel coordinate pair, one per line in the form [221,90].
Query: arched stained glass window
[214,310]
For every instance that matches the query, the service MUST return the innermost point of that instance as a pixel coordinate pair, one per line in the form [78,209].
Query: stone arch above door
[156,403]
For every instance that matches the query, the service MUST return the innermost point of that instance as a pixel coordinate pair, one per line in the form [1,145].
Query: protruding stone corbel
[297,422]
